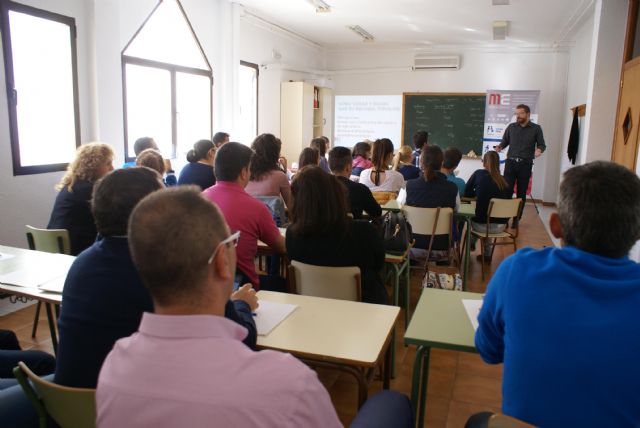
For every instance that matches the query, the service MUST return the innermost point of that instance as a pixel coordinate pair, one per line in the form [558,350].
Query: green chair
[50,241]
[69,407]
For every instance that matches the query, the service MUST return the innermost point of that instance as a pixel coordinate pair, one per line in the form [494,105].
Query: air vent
[431,62]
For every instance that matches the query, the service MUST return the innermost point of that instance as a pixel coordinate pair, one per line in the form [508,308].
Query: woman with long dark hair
[321,233]
[199,170]
[432,190]
[485,184]
[267,178]
[379,178]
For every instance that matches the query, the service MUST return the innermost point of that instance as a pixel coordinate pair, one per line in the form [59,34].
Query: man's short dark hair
[599,208]
[452,158]
[524,107]
[219,137]
[144,143]
[420,138]
[231,158]
[117,193]
[172,234]
[339,158]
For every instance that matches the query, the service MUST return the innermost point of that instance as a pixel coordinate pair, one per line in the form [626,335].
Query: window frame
[257,68]
[172,69]
[5,7]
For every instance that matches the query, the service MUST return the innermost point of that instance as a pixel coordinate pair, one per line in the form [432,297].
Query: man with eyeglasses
[526,143]
[186,365]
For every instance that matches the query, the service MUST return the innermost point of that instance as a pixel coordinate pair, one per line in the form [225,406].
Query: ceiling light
[320,5]
[473,30]
[366,36]
[500,2]
[500,29]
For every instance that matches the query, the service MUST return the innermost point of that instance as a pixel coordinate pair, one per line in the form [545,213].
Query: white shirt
[393,181]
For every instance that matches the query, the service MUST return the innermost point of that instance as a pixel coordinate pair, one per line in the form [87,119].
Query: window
[248,96]
[167,84]
[40,72]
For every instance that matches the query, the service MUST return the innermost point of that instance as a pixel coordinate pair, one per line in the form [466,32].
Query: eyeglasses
[232,239]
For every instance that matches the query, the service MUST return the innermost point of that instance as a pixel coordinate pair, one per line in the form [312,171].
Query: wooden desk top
[441,321]
[337,331]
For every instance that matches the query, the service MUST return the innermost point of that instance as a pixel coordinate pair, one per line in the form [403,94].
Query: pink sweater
[274,183]
[360,162]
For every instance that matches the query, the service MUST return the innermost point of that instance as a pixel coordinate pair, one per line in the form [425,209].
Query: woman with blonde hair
[72,208]
[485,184]
[403,162]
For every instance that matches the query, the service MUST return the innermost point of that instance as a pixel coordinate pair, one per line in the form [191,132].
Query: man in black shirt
[527,142]
[360,197]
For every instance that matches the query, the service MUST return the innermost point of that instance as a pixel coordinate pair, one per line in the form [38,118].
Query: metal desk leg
[419,383]
[467,254]
[407,292]
[388,361]
[52,327]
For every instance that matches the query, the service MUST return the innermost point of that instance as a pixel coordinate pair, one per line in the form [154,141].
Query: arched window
[167,83]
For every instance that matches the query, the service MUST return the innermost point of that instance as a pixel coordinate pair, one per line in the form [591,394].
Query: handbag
[396,232]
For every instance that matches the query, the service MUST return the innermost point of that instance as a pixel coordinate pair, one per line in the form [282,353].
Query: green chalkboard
[452,120]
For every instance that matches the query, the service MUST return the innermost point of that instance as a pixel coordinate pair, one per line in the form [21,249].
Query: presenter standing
[527,143]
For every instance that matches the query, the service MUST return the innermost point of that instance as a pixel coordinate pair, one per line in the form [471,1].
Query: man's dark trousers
[518,172]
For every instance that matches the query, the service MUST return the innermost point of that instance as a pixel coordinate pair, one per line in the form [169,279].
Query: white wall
[480,71]
[28,199]
[577,87]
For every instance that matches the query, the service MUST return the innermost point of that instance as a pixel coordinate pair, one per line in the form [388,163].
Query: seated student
[320,145]
[308,156]
[199,170]
[452,158]
[485,184]
[359,197]
[72,210]
[564,321]
[379,178]
[151,158]
[267,178]
[361,154]
[140,145]
[432,190]
[103,296]
[219,139]
[420,139]
[403,163]
[201,373]
[243,212]
[322,234]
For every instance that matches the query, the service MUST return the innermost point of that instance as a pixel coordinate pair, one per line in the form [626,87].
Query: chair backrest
[49,240]
[384,197]
[326,281]
[69,407]
[276,207]
[429,221]
[504,208]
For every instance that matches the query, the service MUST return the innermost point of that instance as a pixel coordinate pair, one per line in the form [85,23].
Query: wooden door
[627,137]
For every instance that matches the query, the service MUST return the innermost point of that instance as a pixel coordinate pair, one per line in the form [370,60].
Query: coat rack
[582,110]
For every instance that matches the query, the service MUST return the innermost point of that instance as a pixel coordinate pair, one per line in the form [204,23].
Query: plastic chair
[276,207]
[50,241]
[69,407]
[332,282]
[431,222]
[502,209]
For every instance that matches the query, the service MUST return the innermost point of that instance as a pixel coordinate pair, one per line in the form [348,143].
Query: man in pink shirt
[187,365]
[243,212]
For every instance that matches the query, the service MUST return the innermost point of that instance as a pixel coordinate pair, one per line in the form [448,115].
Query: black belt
[515,159]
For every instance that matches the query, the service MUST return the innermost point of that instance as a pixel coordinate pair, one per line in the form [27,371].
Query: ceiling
[426,23]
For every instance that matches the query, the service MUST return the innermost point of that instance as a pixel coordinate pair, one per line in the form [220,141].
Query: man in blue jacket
[565,321]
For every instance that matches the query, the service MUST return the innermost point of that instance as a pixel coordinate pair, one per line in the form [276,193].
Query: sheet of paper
[472,306]
[55,285]
[6,256]
[402,197]
[270,314]
[41,269]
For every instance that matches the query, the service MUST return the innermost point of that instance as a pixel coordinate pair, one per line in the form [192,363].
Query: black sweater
[482,186]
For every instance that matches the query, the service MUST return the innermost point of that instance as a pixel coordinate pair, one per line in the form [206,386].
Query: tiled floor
[460,384]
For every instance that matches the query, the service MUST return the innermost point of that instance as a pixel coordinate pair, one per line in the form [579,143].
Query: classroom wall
[577,87]
[384,72]
[28,199]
